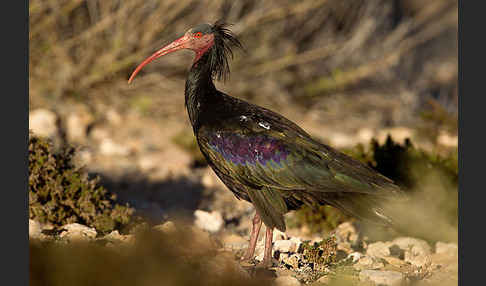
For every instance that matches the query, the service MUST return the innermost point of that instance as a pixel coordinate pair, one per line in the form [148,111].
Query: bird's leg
[267,255]
[257,224]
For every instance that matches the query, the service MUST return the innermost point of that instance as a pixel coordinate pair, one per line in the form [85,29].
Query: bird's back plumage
[268,160]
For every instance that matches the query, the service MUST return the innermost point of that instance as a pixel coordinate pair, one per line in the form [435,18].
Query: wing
[272,161]
[262,152]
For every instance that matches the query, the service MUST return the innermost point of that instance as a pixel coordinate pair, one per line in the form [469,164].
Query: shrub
[61,193]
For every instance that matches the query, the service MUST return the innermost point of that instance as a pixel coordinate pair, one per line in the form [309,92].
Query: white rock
[35,229]
[284,246]
[297,241]
[110,148]
[278,235]
[99,133]
[389,278]
[286,281]
[43,122]
[148,163]
[76,231]
[418,246]
[77,125]
[447,140]
[113,117]
[355,256]
[368,262]
[417,251]
[365,135]
[379,249]
[447,248]
[346,232]
[211,222]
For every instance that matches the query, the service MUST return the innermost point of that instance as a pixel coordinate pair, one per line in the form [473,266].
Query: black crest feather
[224,42]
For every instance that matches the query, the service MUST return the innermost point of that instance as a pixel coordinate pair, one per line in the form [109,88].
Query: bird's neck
[200,90]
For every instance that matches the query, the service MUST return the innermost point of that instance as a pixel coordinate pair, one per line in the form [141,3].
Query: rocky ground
[140,160]
[297,261]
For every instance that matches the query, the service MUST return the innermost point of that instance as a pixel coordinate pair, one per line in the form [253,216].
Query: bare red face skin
[198,43]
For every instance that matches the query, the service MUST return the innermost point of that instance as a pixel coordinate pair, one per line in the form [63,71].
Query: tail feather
[363,206]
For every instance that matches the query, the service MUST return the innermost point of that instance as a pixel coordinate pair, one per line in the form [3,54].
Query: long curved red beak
[178,44]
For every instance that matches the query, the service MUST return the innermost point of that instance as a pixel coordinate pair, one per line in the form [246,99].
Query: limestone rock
[35,229]
[43,122]
[110,148]
[447,248]
[369,262]
[76,231]
[417,251]
[209,221]
[378,249]
[284,246]
[77,125]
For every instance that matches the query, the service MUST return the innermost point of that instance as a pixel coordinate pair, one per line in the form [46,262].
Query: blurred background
[346,71]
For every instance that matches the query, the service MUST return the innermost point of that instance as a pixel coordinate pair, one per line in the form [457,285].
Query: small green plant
[321,254]
[61,193]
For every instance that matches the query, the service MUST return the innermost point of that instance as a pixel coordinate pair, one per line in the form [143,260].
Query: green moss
[61,193]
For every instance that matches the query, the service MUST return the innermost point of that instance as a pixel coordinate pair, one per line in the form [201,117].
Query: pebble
[284,246]
[389,278]
[417,251]
[35,229]
[109,148]
[76,231]
[369,262]
[446,248]
[77,125]
[286,281]
[355,256]
[43,122]
[209,221]
[379,249]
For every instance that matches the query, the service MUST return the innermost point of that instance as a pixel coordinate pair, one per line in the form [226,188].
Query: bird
[263,157]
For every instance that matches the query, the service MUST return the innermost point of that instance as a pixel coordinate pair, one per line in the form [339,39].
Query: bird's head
[215,40]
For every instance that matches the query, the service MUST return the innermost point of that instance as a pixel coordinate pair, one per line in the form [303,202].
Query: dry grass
[296,50]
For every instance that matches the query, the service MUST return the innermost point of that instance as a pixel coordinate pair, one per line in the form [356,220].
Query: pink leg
[257,224]
[267,255]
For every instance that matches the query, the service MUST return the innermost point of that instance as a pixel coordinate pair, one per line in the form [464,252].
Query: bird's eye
[198,35]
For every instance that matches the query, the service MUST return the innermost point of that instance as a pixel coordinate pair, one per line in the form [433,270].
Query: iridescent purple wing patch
[241,149]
